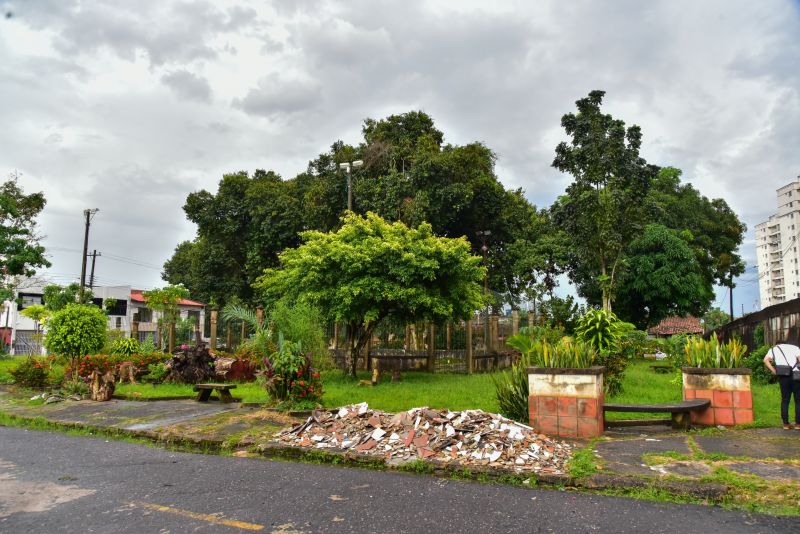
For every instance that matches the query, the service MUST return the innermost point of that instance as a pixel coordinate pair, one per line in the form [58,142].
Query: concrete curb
[277,451]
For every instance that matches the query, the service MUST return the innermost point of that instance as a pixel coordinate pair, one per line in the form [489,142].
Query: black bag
[783,370]
[796,374]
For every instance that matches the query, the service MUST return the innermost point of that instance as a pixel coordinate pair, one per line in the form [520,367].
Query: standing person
[781,360]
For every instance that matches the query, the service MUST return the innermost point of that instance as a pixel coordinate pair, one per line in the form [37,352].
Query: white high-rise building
[776,248]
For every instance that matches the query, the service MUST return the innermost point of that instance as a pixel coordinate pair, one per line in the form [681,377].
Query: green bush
[32,372]
[125,346]
[76,330]
[755,361]
[545,333]
[710,353]
[564,353]
[156,373]
[511,390]
[148,345]
[75,387]
[302,323]
[289,375]
[605,332]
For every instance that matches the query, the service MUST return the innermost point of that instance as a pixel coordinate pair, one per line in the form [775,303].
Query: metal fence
[410,347]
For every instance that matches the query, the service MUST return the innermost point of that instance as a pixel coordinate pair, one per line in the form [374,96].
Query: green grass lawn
[6,364]
[458,392]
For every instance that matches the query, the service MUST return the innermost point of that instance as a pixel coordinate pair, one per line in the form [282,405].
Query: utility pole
[347,167]
[88,213]
[731,295]
[94,255]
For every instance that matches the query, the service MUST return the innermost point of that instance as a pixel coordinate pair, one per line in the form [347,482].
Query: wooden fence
[781,323]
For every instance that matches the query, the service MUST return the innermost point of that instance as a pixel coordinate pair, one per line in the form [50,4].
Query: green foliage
[599,328]
[662,277]
[583,463]
[165,300]
[156,372]
[715,317]
[261,342]
[148,345]
[125,346]
[564,353]
[32,372]
[58,297]
[755,361]
[302,323]
[76,330]
[561,312]
[371,269]
[289,375]
[543,333]
[75,387]
[511,390]
[20,250]
[103,363]
[633,343]
[699,352]
[758,334]
[602,211]
[36,312]
[605,332]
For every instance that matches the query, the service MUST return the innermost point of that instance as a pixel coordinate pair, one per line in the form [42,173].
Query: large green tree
[21,252]
[409,175]
[662,277]
[602,209]
[370,269]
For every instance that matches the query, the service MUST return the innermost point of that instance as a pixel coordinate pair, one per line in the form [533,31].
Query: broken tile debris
[469,437]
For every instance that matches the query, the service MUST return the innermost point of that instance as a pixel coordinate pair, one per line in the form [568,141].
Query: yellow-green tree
[371,269]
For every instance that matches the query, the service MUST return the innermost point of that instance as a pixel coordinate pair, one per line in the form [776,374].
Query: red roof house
[676,325]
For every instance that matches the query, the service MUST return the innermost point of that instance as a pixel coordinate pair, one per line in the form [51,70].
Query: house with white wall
[24,335]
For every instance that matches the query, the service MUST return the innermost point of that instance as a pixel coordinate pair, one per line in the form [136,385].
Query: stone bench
[679,411]
[223,390]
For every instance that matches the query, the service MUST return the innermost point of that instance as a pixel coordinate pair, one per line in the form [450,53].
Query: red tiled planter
[727,389]
[566,402]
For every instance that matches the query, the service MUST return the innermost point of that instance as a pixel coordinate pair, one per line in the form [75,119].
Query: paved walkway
[643,451]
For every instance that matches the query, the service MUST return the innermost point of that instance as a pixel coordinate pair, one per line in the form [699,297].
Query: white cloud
[714,86]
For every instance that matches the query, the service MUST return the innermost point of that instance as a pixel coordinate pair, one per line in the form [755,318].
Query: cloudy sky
[129,106]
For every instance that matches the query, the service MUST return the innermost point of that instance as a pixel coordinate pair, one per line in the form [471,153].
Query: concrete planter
[566,402]
[727,389]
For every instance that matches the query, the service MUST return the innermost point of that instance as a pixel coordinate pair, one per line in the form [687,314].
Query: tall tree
[602,208]
[662,278]
[370,269]
[21,252]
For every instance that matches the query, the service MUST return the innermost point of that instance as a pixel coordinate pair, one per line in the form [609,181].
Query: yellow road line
[202,517]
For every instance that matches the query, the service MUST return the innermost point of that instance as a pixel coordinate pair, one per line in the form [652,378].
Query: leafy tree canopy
[370,269]
[76,330]
[165,300]
[20,250]
[715,318]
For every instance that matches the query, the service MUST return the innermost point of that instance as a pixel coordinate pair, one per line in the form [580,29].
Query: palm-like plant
[261,340]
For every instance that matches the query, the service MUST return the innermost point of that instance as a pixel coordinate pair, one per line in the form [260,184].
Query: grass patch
[755,494]
[459,392]
[583,462]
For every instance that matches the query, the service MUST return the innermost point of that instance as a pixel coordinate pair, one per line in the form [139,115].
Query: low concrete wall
[727,389]
[566,402]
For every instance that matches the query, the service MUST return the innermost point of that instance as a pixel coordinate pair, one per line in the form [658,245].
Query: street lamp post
[347,167]
[483,235]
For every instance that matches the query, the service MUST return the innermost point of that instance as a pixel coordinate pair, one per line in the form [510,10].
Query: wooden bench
[679,413]
[661,368]
[223,390]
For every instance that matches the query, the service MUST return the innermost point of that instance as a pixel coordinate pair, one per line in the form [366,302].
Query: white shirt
[790,355]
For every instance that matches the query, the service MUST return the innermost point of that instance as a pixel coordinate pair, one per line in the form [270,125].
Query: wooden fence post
[431,353]
[214,313]
[530,319]
[171,337]
[135,327]
[243,333]
[470,356]
[407,340]
[336,335]
[449,335]
[514,322]
[228,337]
[259,315]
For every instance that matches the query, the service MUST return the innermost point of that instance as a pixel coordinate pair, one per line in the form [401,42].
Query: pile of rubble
[471,437]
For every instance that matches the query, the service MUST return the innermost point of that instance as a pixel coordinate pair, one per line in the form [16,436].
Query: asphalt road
[51,482]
